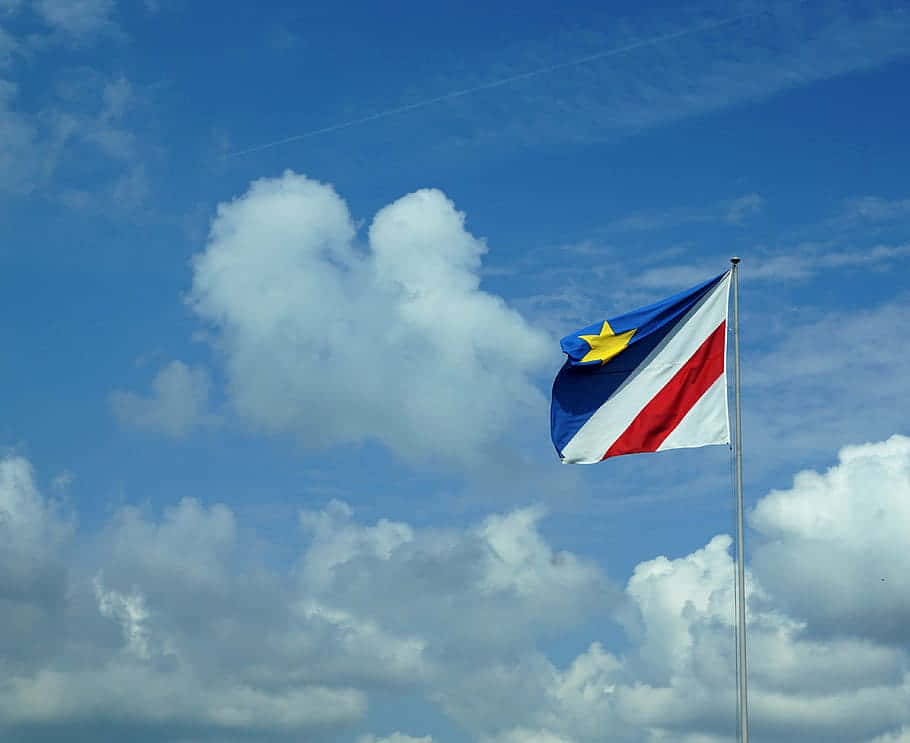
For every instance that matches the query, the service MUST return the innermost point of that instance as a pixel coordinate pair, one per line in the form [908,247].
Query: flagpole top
[735,259]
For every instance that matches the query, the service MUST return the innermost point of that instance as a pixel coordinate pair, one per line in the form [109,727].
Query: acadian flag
[652,379]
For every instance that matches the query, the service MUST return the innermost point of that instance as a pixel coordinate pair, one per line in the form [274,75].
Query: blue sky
[281,292]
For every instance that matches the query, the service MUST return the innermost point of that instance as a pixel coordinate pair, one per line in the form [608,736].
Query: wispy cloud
[868,235]
[877,209]
[827,377]
[597,85]
[78,124]
[77,18]
[787,46]
[20,154]
[732,212]
[802,263]
[515,77]
[812,260]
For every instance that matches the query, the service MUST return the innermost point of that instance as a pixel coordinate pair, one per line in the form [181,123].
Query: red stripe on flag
[668,407]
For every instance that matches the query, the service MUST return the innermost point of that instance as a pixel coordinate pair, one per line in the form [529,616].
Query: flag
[652,379]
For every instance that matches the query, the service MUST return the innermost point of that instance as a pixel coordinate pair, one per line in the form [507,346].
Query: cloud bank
[172,627]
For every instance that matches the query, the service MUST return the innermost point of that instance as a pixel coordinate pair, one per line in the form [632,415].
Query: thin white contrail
[499,83]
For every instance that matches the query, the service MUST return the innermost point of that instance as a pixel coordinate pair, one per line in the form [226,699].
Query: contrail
[654,40]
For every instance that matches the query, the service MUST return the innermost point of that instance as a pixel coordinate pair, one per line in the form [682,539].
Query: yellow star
[606,344]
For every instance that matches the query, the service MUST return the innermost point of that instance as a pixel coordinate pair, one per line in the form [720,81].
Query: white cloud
[670,592]
[188,547]
[817,672]
[523,735]
[172,622]
[819,541]
[642,72]
[775,48]
[178,403]
[130,612]
[396,343]
[811,259]
[28,523]
[125,695]
[506,581]
[801,263]
[75,121]
[78,18]
[897,736]
[169,624]
[189,637]
[835,546]
[32,570]
[876,208]
[33,142]
[175,622]
[32,531]
[731,211]
[395,738]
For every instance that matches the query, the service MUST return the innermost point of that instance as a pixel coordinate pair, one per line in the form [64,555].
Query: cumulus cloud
[178,403]
[171,623]
[137,697]
[175,626]
[506,582]
[396,342]
[168,635]
[821,666]
[32,571]
[834,546]
[800,689]
[130,612]
[817,672]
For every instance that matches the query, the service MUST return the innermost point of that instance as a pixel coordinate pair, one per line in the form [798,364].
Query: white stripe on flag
[708,422]
[609,421]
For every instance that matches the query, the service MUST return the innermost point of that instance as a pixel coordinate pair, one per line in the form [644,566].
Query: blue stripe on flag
[644,321]
[580,390]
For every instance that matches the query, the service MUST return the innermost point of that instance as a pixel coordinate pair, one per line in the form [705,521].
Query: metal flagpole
[740,552]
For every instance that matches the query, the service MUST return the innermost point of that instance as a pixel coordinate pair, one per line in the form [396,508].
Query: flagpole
[740,551]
